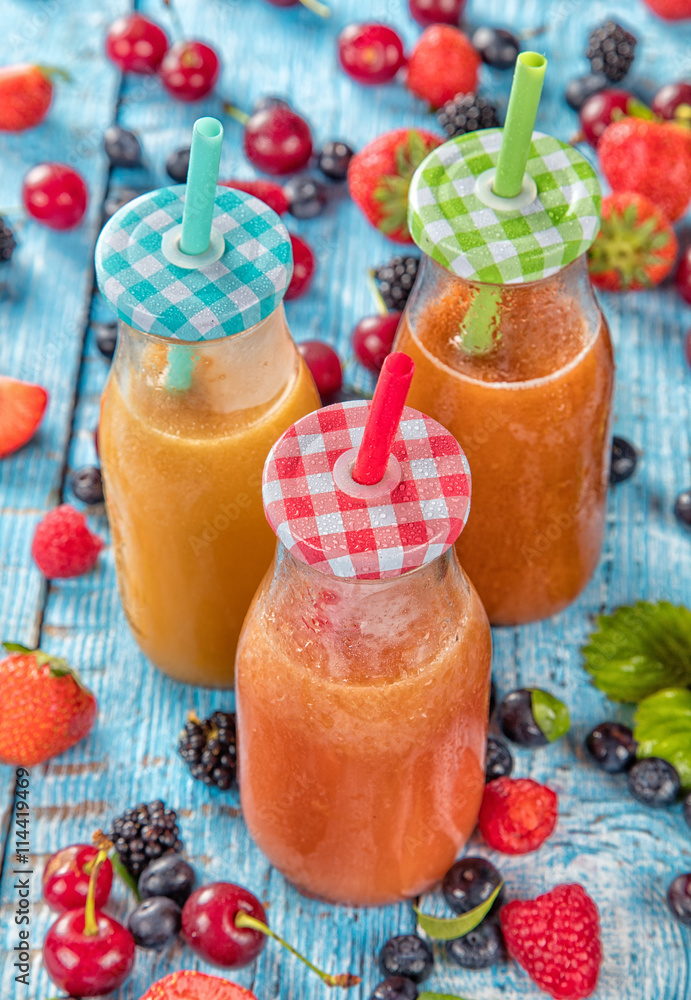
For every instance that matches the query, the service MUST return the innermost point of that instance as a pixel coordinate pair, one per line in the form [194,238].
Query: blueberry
[344,395]
[682,508]
[579,90]
[499,760]
[395,988]
[155,922]
[270,101]
[687,809]
[87,484]
[480,948]
[169,876]
[679,898]
[497,47]
[469,883]
[611,746]
[654,782]
[406,955]
[334,160]
[123,148]
[106,338]
[307,197]
[178,164]
[624,458]
[517,722]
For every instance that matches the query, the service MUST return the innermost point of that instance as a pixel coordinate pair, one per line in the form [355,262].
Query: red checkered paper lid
[327,520]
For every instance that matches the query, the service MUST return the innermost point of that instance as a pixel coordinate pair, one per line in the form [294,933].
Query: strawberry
[25,95]
[671,10]
[22,405]
[267,191]
[443,63]
[187,985]
[636,246]
[379,178]
[48,707]
[651,158]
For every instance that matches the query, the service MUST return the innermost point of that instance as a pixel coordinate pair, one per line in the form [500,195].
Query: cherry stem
[236,113]
[376,294]
[317,7]
[346,980]
[53,71]
[90,923]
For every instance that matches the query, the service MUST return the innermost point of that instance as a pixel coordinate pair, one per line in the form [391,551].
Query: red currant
[682,279]
[88,965]
[373,339]
[304,265]
[190,70]
[437,11]
[55,195]
[370,53]
[600,110]
[277,141]
[65,880]
[324,365]
[208,925]
[136,44]
[673,101]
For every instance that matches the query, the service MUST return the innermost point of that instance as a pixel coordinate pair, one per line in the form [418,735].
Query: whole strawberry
[63,545]
[671,10]
[188,985]
[556,939]
[443,63]
[25,95]
[651,158]
[47,708]
[636,246]
[379,178]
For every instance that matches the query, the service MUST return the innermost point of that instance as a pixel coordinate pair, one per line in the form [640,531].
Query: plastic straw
[383,419]
[520,122]
[202,177]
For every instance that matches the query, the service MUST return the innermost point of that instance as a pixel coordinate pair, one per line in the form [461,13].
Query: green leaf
[663,729]
[450,928]
[122,873]
[639,650]
[438,996]
[16,647]
[551,715]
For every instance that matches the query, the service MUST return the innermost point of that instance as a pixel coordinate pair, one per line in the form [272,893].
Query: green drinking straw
[520,122]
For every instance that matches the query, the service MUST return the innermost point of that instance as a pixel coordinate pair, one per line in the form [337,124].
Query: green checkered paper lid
[455,217]
[233,285]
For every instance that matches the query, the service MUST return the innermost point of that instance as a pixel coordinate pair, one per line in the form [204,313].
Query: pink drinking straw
[383,419]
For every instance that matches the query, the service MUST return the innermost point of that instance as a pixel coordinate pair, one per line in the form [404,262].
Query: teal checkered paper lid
[455,217]
[237,283]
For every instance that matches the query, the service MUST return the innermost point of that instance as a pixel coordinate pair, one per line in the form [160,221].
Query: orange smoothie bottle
[513,355]
[363,669]
[205,377]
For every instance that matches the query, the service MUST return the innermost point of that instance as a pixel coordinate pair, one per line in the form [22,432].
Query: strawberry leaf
[124,875]
[438,996]
[551,715]
[663,729]
[639,650]
[450,928]
[16,647]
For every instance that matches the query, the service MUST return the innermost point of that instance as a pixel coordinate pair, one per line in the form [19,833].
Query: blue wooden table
[624,854]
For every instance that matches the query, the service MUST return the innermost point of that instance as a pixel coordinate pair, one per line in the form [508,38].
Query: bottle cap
[346,529]
[153,286]
[455,217]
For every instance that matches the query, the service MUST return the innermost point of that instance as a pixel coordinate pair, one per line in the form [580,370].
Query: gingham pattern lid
[452,224]
[380,536]
[227,296]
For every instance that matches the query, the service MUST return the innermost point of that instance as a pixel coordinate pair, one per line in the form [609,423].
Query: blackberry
[7,241]
[396,280]
[467,113]
[499,761]
[624,458]
[87,484]
[611,51]
[143,833]
[208,747]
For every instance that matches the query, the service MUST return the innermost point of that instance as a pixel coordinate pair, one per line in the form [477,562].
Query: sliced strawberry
[379,178]
[25,95]
[22,405]
[267,191]
[636,246]
[187,985]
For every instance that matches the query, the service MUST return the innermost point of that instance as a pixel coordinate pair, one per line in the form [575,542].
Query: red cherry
[373,339]
[88,965]
[208,925]
[136,44]
[277,140]
[437,11]
[370,53]
[304,265]
[65,882]
[55,195]
[682,279]
[190,70]
[671,97]
[324,364]
[600,110]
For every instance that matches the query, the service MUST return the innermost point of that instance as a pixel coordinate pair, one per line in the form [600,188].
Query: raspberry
[63,545]
[517,815]
[556,939]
